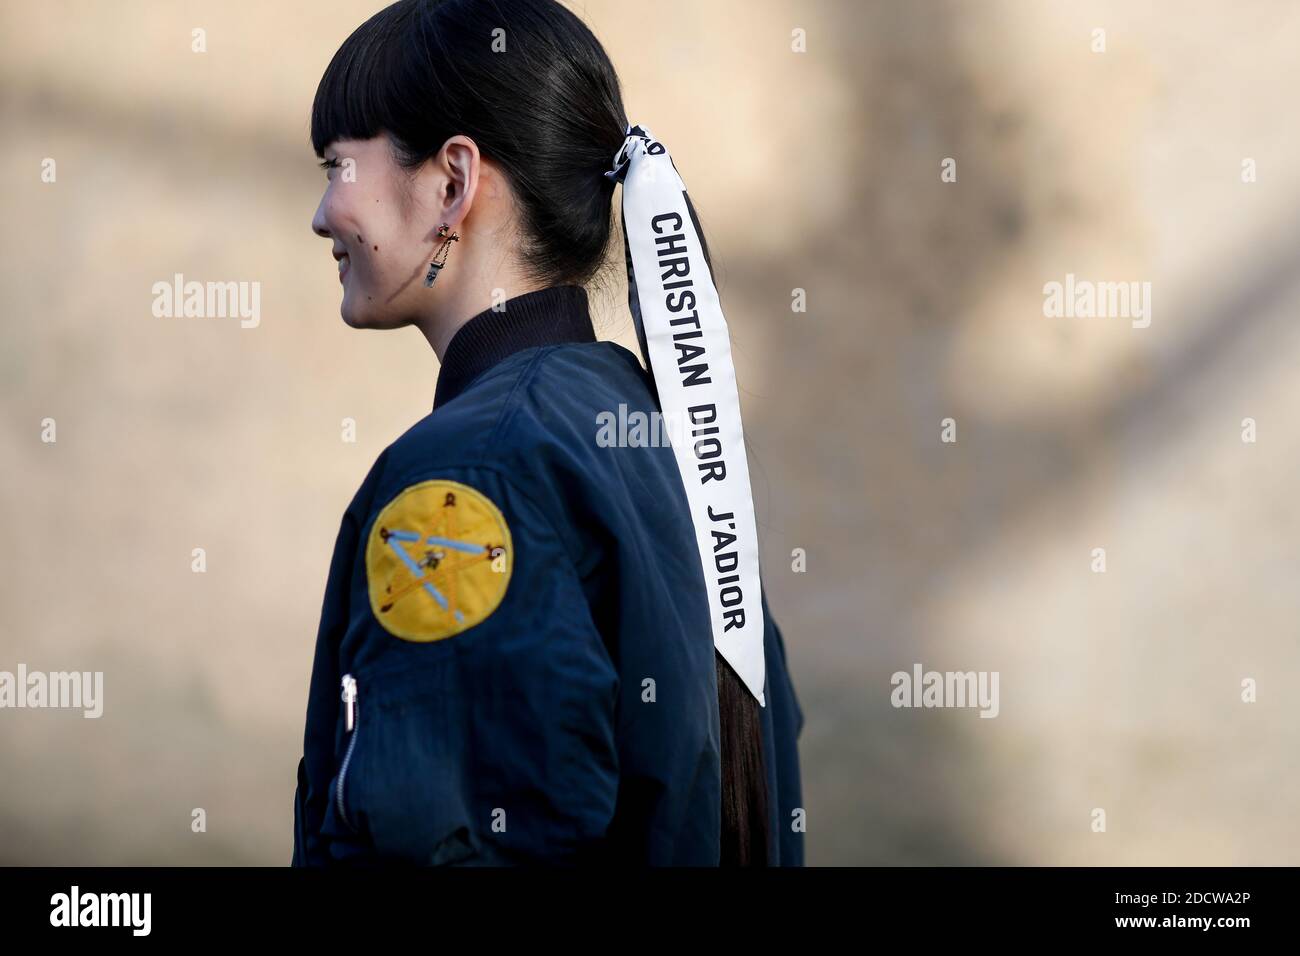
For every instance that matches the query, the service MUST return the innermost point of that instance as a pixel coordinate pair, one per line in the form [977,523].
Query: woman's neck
[469,293]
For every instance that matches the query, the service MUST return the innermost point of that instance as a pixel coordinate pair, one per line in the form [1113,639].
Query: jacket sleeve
[786,722]
[486,696]
[315,767]
[789,679]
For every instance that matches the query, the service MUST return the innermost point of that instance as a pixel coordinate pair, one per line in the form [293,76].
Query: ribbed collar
[547,316]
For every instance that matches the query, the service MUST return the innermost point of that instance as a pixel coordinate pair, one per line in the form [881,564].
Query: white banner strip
[683,335]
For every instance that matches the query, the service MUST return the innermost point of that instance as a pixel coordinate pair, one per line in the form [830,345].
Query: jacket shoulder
[532,424]
[535,399]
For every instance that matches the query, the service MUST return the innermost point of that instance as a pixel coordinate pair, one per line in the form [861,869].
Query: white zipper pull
[350,698]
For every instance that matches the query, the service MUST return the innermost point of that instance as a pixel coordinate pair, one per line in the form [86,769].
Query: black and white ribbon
[683,335]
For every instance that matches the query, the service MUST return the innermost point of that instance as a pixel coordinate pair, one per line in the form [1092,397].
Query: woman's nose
[318,221]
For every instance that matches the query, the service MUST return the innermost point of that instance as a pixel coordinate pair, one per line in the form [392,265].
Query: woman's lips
[343,267]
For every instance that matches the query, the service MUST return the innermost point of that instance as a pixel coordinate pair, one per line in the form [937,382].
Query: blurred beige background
[817,171]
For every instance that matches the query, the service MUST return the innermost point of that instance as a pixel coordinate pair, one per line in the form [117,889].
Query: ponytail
[683,335]
[744,779]
[744,782]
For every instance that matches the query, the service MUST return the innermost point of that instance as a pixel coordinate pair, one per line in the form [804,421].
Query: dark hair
[547,109]
[549,112]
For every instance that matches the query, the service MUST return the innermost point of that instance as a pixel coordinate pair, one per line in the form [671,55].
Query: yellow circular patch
[438,561]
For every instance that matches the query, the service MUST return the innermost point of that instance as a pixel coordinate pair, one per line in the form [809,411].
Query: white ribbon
[683,335]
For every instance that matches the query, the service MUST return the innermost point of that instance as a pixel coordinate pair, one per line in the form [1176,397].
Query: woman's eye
[329,164]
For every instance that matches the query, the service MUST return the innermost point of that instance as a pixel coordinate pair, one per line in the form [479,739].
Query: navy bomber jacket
[514,662]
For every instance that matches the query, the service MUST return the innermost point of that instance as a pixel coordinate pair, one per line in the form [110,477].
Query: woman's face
[384,232]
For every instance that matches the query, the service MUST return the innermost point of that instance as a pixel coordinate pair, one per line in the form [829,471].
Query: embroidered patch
[438,561]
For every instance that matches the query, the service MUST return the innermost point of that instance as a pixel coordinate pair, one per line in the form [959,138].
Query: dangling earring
[440,257]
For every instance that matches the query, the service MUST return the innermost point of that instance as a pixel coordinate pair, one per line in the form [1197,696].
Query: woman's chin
[360,317]
[354,316]
[349,317]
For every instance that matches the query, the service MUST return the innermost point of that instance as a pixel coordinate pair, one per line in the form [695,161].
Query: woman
[514,661]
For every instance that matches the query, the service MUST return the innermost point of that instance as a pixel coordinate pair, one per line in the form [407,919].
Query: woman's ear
[456,168]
